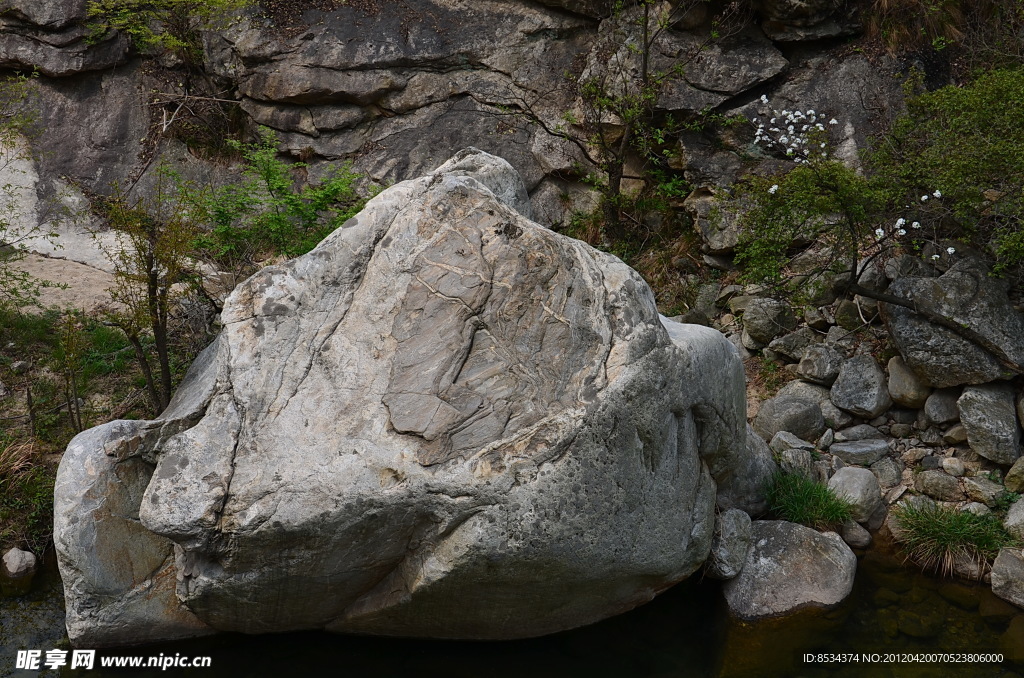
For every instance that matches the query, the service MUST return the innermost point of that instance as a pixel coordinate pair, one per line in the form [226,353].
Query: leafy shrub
[968,143]
[801,500]
[822,202]
[265,215]
[154,274]
[935,537]
[950,171]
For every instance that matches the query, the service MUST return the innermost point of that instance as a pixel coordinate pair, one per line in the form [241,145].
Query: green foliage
[967,142]
[265,215]
[29,332]
[154,272]
[798,499]
[1004,500]
[950,171]
[936,536]
[172,25]
[668,187]
[823,201]
[53,343]
[26,505]
[107,352]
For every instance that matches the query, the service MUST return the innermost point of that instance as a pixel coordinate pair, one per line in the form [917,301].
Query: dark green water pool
[685,633]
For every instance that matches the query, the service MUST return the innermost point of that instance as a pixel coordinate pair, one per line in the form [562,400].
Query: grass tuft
[935,537]
[801,500]
[15,458]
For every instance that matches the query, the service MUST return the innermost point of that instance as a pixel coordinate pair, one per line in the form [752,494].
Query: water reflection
[893,610]
[685,633]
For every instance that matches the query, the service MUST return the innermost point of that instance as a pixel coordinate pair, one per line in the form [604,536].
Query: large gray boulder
[969,296]
[799,416]
[989,415]
[790,567]
[861,388]
[444,421]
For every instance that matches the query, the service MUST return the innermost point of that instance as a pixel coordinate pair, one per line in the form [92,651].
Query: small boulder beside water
[859,486]
[790,567]
[1008,576]
[16,572]
[19,564]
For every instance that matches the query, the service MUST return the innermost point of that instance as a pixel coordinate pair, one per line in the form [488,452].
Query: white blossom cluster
[798,134]
[803,137]
[898,229]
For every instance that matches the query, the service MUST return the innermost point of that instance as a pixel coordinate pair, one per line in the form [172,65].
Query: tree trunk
[147,372]
[615,169]
[613,228]
[162,350]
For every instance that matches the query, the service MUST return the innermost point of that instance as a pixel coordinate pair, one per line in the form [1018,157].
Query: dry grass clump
[903,24]
[15,459]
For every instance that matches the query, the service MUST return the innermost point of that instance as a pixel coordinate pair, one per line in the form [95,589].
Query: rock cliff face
[398,92]
[49,36]
[444,421]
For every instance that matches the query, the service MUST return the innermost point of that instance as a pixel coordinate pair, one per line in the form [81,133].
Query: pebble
[977,508]
[957,435]
[953,466]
